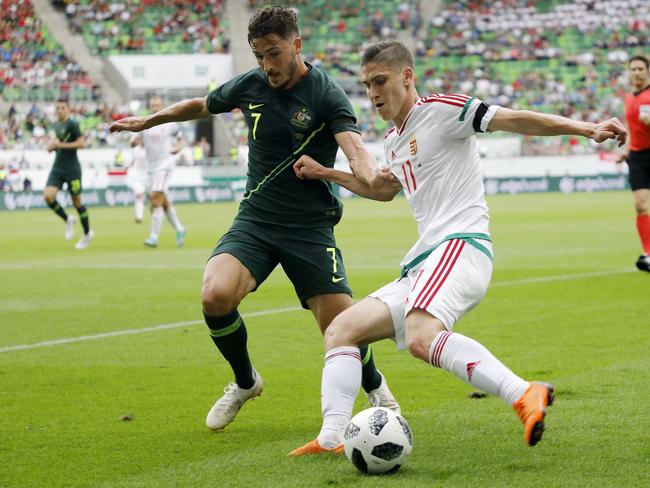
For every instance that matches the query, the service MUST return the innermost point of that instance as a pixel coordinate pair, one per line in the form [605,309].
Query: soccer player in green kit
[292,109]
[67,169]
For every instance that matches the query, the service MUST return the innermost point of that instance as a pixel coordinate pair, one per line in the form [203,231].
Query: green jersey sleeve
[340,115]
[224,98]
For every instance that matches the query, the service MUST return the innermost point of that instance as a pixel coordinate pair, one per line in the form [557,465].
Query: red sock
[643,226]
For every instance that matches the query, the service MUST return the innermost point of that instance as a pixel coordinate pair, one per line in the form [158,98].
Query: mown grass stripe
[175,325]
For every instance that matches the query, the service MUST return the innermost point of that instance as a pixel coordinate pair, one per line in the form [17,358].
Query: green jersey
[282,126]
[67,131]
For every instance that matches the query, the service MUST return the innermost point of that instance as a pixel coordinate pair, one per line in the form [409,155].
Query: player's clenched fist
[610,129]
[307,168]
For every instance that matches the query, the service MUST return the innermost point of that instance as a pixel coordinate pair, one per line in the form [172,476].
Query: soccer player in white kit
[162,154]
[137,175]
[432,151]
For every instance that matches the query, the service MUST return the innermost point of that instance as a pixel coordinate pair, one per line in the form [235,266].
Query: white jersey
[435,158]
[138,170]
[138,165]
[158,143]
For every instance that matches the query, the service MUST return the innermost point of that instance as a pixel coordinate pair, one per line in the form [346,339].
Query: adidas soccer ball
[377,440]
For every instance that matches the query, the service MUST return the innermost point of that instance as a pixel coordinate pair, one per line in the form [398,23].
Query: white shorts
[137,181]
[449,283]
[159,180]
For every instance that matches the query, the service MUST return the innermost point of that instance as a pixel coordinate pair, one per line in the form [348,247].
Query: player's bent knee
[421,329]
[156,199]
[49,196]
[417,347]
[339,334]
[217,300]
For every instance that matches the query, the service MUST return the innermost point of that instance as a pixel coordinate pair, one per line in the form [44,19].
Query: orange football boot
[313,447]
[531,409]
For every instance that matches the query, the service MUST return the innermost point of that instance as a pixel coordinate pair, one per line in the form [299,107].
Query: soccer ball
[377,441]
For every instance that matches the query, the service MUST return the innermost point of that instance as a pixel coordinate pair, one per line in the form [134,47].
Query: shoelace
[230,390]
[230,387]
[373,399]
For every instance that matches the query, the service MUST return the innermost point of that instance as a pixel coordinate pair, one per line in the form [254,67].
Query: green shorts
[309,257]
[72,177]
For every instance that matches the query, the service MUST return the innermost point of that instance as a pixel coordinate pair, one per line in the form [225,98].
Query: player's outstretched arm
[362,164]
[536,124]
[385,189]
[191,109]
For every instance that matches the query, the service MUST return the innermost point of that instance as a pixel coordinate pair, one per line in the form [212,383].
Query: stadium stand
[551,56]
[149,26]
[334,34]
[33,66]
[334,37]
[30,126]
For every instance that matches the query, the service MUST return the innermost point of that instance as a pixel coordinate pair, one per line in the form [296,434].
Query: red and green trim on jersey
[456,99]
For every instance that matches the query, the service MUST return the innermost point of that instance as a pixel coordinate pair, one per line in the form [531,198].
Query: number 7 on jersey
[256,116]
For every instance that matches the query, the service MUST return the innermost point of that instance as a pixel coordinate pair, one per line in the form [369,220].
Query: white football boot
[85,240]
[383,397]
[225,409]
[151,241]
[69,227]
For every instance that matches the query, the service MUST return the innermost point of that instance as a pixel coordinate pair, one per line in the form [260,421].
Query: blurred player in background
[67,169]
[432,151]
[137,175]
[637,113]
[162,145]
[291,109]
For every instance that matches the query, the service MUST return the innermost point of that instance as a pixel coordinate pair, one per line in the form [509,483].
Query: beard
[293,67]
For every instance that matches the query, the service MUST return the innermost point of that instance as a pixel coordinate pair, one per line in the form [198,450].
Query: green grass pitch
[566,305]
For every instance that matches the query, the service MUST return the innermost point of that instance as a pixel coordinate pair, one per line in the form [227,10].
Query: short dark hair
[391,53]
[63,100]
[278,20]
[643,59]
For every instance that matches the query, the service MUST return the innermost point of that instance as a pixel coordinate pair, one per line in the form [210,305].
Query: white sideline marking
[124,332]
[175,325]
[44,266]
[543,279]
[123,266]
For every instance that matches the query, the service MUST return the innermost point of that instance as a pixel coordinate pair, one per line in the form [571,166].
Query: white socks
[157,216]
[173,218]
[474,364]
[339,388]
[460,355]
[138,206]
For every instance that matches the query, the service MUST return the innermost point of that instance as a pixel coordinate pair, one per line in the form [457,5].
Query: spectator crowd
[551,56]
[149,26]
[32,65]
